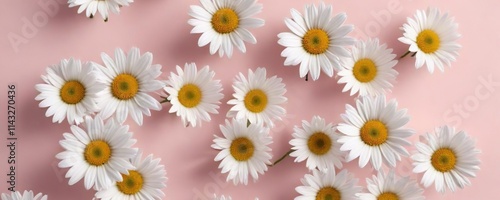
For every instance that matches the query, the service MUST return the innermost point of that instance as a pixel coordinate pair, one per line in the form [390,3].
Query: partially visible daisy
[374,131]
[317,41]
[244,150]
[26,195]
[225,23]
[194,94]
[317,142]
[128,79]
[97,152]
[446,158]
[258,99]
[70,91]
[433,37]
[145,182]
[369,69]
[391,187]
[327,185]
[103,6]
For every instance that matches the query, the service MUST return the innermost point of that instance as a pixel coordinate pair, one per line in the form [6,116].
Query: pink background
[161,28]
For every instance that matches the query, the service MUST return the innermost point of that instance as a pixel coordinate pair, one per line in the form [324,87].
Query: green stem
[404,55]
[282,157]
[413,55]
[248,123]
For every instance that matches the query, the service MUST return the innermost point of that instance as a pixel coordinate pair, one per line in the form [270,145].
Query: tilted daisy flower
[446,158]
[244,150]
[327,185]
[391,187]
[103,6]
[258,99]
[194,94]
[369,70]
[97,152]
[317,142]
[433,37]
[225,23]
[26,195]
[374,131]
[70,91]
[316,41]
[145,182]
[128,80]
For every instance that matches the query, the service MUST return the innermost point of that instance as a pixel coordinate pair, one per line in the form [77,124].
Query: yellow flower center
[225,20]
[319,143]
[374,133]
[428,41]
[316,41]
[443,160]
[189,95]
[388,196]
[328,193]
[241,149]
[131,184]
[97,152]
[364,70]
[256,101]
[72,92]
[124,87]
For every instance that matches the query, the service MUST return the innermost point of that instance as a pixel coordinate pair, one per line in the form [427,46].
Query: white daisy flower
[128,79]
[327,185]
[317,142]
[103,6]
[258,98]
[70,91]
[316,41]
[224,23]
[145,182]
[97,152]
[391,187]
[369,70]
[244,150]
[194,94]
[433,37]
[26,195]
[374,131]
[446,158]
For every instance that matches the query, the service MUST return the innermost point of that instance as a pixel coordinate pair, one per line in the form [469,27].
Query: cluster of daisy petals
[96,99]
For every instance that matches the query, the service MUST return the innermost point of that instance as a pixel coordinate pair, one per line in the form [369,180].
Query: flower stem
[282,157]
[165,100]
[404,55]
[413,55]
[307,76]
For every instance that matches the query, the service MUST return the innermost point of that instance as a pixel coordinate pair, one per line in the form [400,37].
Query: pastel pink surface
[161,27]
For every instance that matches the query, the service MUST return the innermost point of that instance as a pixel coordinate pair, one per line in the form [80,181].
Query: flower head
[374,131]
[433,37]
[103,6]
[225,23]
[317,41]
[244,150]
[369,70]
[194,94]
[258,99]
[97,152]
[70,91]
[128,79]
[447,158]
